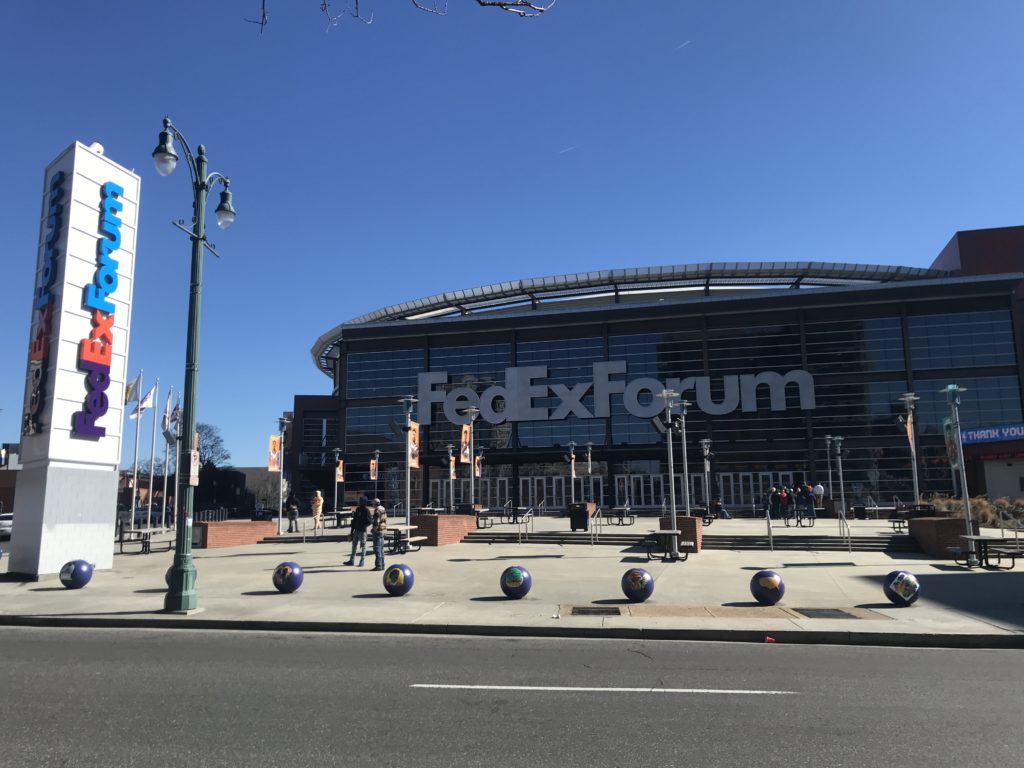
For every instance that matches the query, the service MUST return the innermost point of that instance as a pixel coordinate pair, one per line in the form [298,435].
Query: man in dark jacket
[360,522]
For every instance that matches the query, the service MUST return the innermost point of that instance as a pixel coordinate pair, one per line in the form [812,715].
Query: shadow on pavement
[490,599]
[154,591]
[48,589]
[994,596]
[374,594]
[247,554]
[259,592]
[742,604]
[611,601]
[634,560]
[503,557]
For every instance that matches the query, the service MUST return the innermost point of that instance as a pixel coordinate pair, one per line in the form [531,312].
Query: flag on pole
[131,390]
[910,428]
[339,471]
[274,454]
[373,470]
[166,424]
[145,403]
[479,470]
[413,445]
[451,467]
[464,445]
[572,466]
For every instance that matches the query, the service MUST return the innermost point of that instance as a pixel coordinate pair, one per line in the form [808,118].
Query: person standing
[292,507]
[360,522]
[317,503]
[819,495]
[378,527]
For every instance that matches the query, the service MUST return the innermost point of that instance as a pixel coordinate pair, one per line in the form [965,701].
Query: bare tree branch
[443,11]
[522,8]
[264,17]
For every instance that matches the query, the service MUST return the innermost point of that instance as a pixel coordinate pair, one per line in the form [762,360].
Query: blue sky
[381,163]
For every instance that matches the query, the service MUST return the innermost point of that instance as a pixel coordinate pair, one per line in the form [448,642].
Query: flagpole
[167,450]
[152,455]
[177,461]
[135,461]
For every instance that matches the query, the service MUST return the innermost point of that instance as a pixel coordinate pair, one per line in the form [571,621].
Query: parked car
[6,524]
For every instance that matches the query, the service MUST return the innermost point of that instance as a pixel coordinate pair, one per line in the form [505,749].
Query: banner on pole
[464,445]
[572,466]
[479,470]
[949,432]
[451,467]
[339,471]
[274,454]
[413,445]
[373,470]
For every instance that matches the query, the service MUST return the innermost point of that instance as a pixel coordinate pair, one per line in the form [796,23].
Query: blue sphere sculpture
[767,587]
[76,574]
[901,587]
[398,580]
[288,577]
[516,582]
[637,585]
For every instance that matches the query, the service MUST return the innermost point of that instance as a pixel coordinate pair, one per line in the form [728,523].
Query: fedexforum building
[772,356]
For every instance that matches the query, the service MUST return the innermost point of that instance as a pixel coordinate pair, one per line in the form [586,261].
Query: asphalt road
[154,698]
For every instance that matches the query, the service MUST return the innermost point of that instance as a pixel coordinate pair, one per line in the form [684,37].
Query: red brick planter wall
[234,533]
[442,530]
[690,529]
[935,534]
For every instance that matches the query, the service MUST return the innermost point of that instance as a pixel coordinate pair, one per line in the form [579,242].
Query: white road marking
[601,690]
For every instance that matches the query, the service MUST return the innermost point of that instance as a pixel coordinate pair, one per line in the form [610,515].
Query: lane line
[559,688]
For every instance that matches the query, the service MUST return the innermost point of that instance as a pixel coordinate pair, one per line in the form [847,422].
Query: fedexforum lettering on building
[515,401]
[773,358]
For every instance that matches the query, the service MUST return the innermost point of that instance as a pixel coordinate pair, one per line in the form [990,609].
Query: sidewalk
[456,591]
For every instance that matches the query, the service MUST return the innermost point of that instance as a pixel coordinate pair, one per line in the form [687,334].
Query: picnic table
[340,516]
[618,515]
[141,536]
[662,540]
[985,548]
[401,542]
[899,524]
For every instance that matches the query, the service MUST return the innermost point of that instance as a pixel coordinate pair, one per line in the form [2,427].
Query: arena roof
[548,292]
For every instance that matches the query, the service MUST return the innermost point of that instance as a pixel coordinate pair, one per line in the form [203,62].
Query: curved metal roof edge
[797,270]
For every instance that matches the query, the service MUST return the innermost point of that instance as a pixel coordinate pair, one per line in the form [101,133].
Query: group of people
[794,501]
[370,516]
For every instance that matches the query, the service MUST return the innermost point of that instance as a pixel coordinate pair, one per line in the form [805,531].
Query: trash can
[579,515]
[860,512]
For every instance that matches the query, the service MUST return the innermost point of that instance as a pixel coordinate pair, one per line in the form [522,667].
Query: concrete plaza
[456,591]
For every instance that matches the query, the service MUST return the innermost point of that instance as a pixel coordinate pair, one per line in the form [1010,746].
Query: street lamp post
[686,465]
[451,477]
[376,471]
[337,455]
[472,412]
[669,397]
[828,458]
[705,447]
[281,424]
[908,400]
[839,464]
[953,396]
[571,458]
[408,402]
[181,593]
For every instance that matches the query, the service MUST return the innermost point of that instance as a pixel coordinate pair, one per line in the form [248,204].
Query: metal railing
[218,515]
[542,508]
[596,526]
[844,529]
[506,509]
[524,525]
[768,522]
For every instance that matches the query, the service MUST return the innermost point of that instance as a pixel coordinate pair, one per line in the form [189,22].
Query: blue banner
[992,434]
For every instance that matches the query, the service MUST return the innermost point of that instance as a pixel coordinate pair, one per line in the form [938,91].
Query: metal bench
[661,542]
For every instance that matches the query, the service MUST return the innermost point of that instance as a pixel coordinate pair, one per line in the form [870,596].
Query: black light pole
[181,593]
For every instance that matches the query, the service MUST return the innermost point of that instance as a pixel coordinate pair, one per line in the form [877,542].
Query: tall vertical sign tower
[77,359]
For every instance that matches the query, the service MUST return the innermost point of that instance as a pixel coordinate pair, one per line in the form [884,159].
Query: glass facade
[856,354]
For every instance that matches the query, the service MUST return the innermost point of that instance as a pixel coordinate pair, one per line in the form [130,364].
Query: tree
[525,9]
[211,446]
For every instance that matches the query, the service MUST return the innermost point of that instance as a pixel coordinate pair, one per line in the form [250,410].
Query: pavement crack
[638,651]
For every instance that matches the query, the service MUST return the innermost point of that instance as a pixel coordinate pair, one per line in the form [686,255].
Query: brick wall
[936,534]
[234,533]
[690,529]
[442,530]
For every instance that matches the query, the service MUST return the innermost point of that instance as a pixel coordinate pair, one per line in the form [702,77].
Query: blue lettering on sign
[992,434]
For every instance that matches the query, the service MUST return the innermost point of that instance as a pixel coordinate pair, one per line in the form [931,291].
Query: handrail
[524,524]
[542,508]
[844,530]
[506,509]
[768,522]
[596,526]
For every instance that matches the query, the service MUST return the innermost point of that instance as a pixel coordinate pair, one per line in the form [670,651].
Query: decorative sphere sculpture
[901,587]
[516,582]
[398,580]
[767,587]
[76,574]
[288,577]
[637,584]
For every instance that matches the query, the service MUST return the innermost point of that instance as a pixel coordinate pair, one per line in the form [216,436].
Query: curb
[784,637]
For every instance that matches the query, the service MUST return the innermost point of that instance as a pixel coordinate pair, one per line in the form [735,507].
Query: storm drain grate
[578,610]
[825,613]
